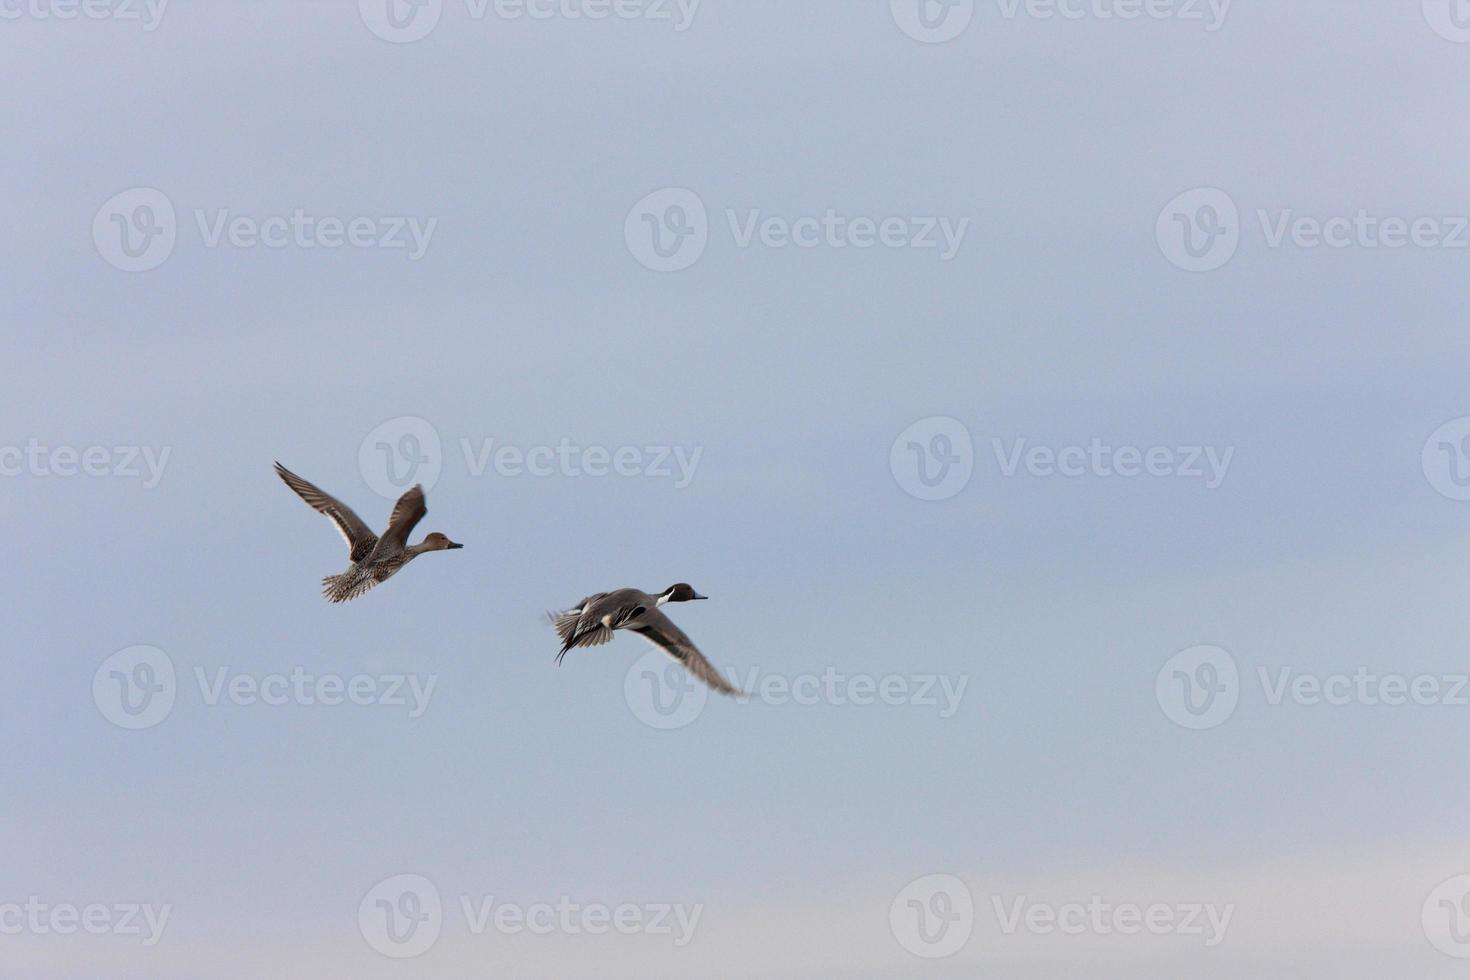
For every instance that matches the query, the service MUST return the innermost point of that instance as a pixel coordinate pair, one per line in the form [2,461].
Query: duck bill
[698,596]
[455,547]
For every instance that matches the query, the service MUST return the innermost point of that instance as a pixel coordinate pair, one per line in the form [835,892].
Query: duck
[592,623]
[374,559]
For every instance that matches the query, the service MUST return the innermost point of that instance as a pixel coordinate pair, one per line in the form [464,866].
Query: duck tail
[334,589]
[566,624]
[340,588]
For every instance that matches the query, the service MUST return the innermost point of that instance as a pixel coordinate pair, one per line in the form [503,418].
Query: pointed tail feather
[565,623]
[347,586]
[566,628]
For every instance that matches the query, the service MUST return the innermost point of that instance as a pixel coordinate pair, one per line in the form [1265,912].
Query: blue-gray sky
[530,318]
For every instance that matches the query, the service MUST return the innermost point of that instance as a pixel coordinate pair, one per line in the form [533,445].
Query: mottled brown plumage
[374,559]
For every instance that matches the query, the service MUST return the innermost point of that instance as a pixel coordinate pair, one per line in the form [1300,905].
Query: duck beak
[698,596]
[455,547]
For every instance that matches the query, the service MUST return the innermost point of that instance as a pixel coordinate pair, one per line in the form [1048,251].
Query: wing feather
[409,510]
[660,630]
[360,539]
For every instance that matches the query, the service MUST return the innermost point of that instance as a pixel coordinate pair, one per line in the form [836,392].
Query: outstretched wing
[660,630]
[409,510]
[360,540]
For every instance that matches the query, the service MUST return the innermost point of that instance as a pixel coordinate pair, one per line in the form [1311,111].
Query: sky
[1061,403]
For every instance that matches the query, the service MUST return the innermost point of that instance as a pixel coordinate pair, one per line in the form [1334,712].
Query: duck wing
[660,630]
[409,510]
[360,539]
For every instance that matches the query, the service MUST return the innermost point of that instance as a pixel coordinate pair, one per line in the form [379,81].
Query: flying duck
[595,618]
[374,559]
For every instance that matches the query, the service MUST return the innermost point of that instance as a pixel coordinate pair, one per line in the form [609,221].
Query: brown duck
[374,559]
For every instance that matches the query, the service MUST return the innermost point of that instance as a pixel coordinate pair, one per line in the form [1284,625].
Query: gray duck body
[593,621]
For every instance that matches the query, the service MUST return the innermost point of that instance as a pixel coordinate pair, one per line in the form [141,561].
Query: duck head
[439,542]
[683,592]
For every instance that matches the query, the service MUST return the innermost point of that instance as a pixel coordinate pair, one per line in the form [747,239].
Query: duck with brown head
[374,559]
[683,592]
[596,617]
[436,541]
